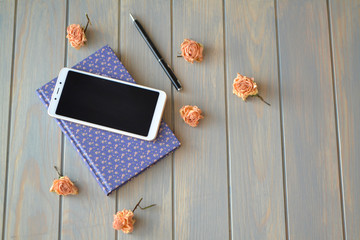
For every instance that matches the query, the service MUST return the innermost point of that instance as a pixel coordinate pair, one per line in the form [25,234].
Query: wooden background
[248,171]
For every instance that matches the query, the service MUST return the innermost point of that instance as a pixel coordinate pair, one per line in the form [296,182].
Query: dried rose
[76,36]
[123,220]
[64,186]
[244,87]
[191,115]
[191,50]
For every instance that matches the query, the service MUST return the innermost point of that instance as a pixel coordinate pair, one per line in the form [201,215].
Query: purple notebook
[112,158]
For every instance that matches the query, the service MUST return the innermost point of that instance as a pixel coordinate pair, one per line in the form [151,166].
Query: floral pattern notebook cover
[112,158]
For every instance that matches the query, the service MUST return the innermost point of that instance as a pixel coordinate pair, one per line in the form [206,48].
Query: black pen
[156,53]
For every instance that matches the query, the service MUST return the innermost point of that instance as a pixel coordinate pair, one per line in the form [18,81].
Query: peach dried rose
[64,186]
[76,36]
[244,86]
[123,220]
[191,50]
[191,115]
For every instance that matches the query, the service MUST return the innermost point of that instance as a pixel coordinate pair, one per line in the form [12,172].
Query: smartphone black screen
[107,103]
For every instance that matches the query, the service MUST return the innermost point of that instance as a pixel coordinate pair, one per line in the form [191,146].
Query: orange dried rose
[76,36]
[191,50]
[244,86]
[191,115]
[123,220]
[64,186]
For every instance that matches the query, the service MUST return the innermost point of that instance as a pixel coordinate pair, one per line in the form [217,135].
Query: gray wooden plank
[311,154]
[256,181]
[200,165]
[345,23]
[32,212]
[89,215]
[154,185]
[6,48]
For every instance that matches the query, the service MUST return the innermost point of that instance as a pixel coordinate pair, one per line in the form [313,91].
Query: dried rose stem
[87,24]
[262,99]
[58,172]
[138,205]
[147,206]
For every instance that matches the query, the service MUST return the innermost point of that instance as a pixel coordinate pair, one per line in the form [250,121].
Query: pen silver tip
[132,17]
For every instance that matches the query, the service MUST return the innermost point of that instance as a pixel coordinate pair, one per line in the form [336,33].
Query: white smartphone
[107,103]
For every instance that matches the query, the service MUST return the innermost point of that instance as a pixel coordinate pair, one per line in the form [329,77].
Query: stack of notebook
[112,158]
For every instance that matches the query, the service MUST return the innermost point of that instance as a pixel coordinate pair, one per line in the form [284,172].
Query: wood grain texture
[154,185]
[315,123]
[200,165]
[6,49]
[345,22]
[89,214]
[32,212]
[256,181]
[312,173]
